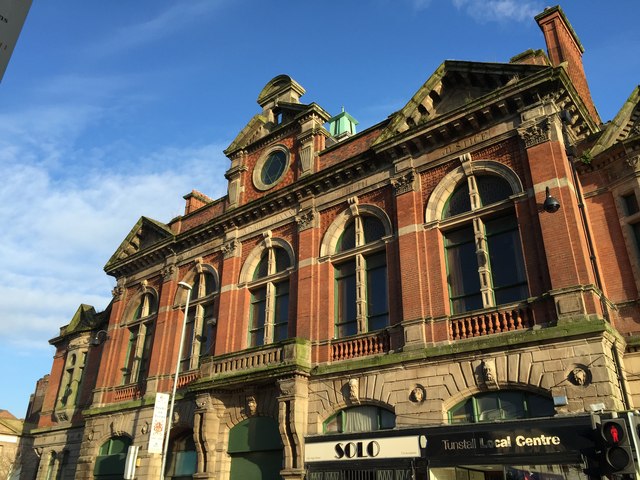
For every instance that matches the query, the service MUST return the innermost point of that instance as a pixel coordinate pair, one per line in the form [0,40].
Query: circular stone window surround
[263,162]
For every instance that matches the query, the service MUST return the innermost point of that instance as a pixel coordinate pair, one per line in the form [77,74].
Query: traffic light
[615,455]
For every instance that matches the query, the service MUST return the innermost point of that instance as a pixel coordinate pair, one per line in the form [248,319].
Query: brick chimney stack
[563,45]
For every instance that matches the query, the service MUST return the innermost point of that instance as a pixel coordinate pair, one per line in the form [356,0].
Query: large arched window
[140,341]
[360,276]
[268,285]
[200,329]
[255,448]
[111,459]
[501,405]
[363,418]
[484,259]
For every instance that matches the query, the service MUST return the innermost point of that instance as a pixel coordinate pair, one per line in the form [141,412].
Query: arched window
[140,342]
[501,405]
[269,303]
[111,459]
[182,458]
[360,276]
[484,259]
[364,418]
[200,329]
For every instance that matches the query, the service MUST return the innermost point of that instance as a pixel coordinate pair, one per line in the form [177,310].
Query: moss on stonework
[494,342]
[117,407]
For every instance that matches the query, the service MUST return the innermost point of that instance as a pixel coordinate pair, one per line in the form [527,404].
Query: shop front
[555,448]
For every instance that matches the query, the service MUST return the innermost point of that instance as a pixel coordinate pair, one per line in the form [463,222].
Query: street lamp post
[167,430]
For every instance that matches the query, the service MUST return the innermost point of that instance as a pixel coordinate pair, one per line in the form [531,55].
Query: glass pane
[373,229]
[131,355]
[512,405]
[505,256]
[377,298]
[345,275]
[281,312]
[273,167]
[208,338]
[539,406]
[258,312]
[459,201]
[487,407]
[185,463]
[334,424]
[462,265]
[187,344]
[630,203]
[209,283]
[347,240]
[462,413]
[263,266]
[361,419]
[387,419]
[146,352]
[282,259]
[492,189]
[195,289]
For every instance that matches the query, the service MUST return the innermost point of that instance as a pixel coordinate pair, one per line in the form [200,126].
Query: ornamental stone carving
[231,249]
[306,219]
[417,395]
[354,390]
[252,406]
[535,133]
[404,183]
[579,376]
[169,272]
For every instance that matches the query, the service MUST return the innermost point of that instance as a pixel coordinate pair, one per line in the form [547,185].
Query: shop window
[502,405]
[366,418]
[182,458]
[360,276]
[111,459]
[140,342]
[483,252]
[269,296]
[200,328]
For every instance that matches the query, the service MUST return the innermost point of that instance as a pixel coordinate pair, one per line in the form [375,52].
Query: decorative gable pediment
[624,126]
[453,85]
[253,131]
[146,233]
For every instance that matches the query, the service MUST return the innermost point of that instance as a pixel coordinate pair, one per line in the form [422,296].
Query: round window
[270,169]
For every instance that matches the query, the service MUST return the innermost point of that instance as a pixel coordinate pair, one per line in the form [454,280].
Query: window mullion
[361,294]
[484,267]
[270,305]
[195,343]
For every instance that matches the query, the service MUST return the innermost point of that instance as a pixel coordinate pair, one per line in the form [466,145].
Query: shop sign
[362,449]
[522,441]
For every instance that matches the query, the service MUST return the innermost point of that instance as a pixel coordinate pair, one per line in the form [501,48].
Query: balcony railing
[488,323]
[186,378]
[360,346]
[248,360]
[127,392]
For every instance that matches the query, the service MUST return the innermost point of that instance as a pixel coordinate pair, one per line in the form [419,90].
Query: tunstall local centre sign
[363,449]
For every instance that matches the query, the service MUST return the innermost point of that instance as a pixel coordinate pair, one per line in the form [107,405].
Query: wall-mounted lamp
[97,339]
[551,204]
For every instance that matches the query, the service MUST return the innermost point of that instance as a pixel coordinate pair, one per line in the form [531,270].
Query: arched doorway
[255,448]
[182,458]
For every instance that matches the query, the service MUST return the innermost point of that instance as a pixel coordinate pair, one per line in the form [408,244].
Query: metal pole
[167,428]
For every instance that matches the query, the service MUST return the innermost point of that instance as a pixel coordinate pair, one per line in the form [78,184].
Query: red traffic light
[613,433]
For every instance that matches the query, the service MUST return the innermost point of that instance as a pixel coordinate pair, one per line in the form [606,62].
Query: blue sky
[114,110]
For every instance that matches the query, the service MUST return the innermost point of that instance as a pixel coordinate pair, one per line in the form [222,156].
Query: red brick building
[452,290]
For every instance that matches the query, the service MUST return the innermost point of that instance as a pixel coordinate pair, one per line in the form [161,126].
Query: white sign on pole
[158,424]
[130,462]
[12,16]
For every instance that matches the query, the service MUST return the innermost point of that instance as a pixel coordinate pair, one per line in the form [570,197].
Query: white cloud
[179,16]
[500,10]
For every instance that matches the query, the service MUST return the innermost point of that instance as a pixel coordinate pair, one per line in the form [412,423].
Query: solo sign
[365,449]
